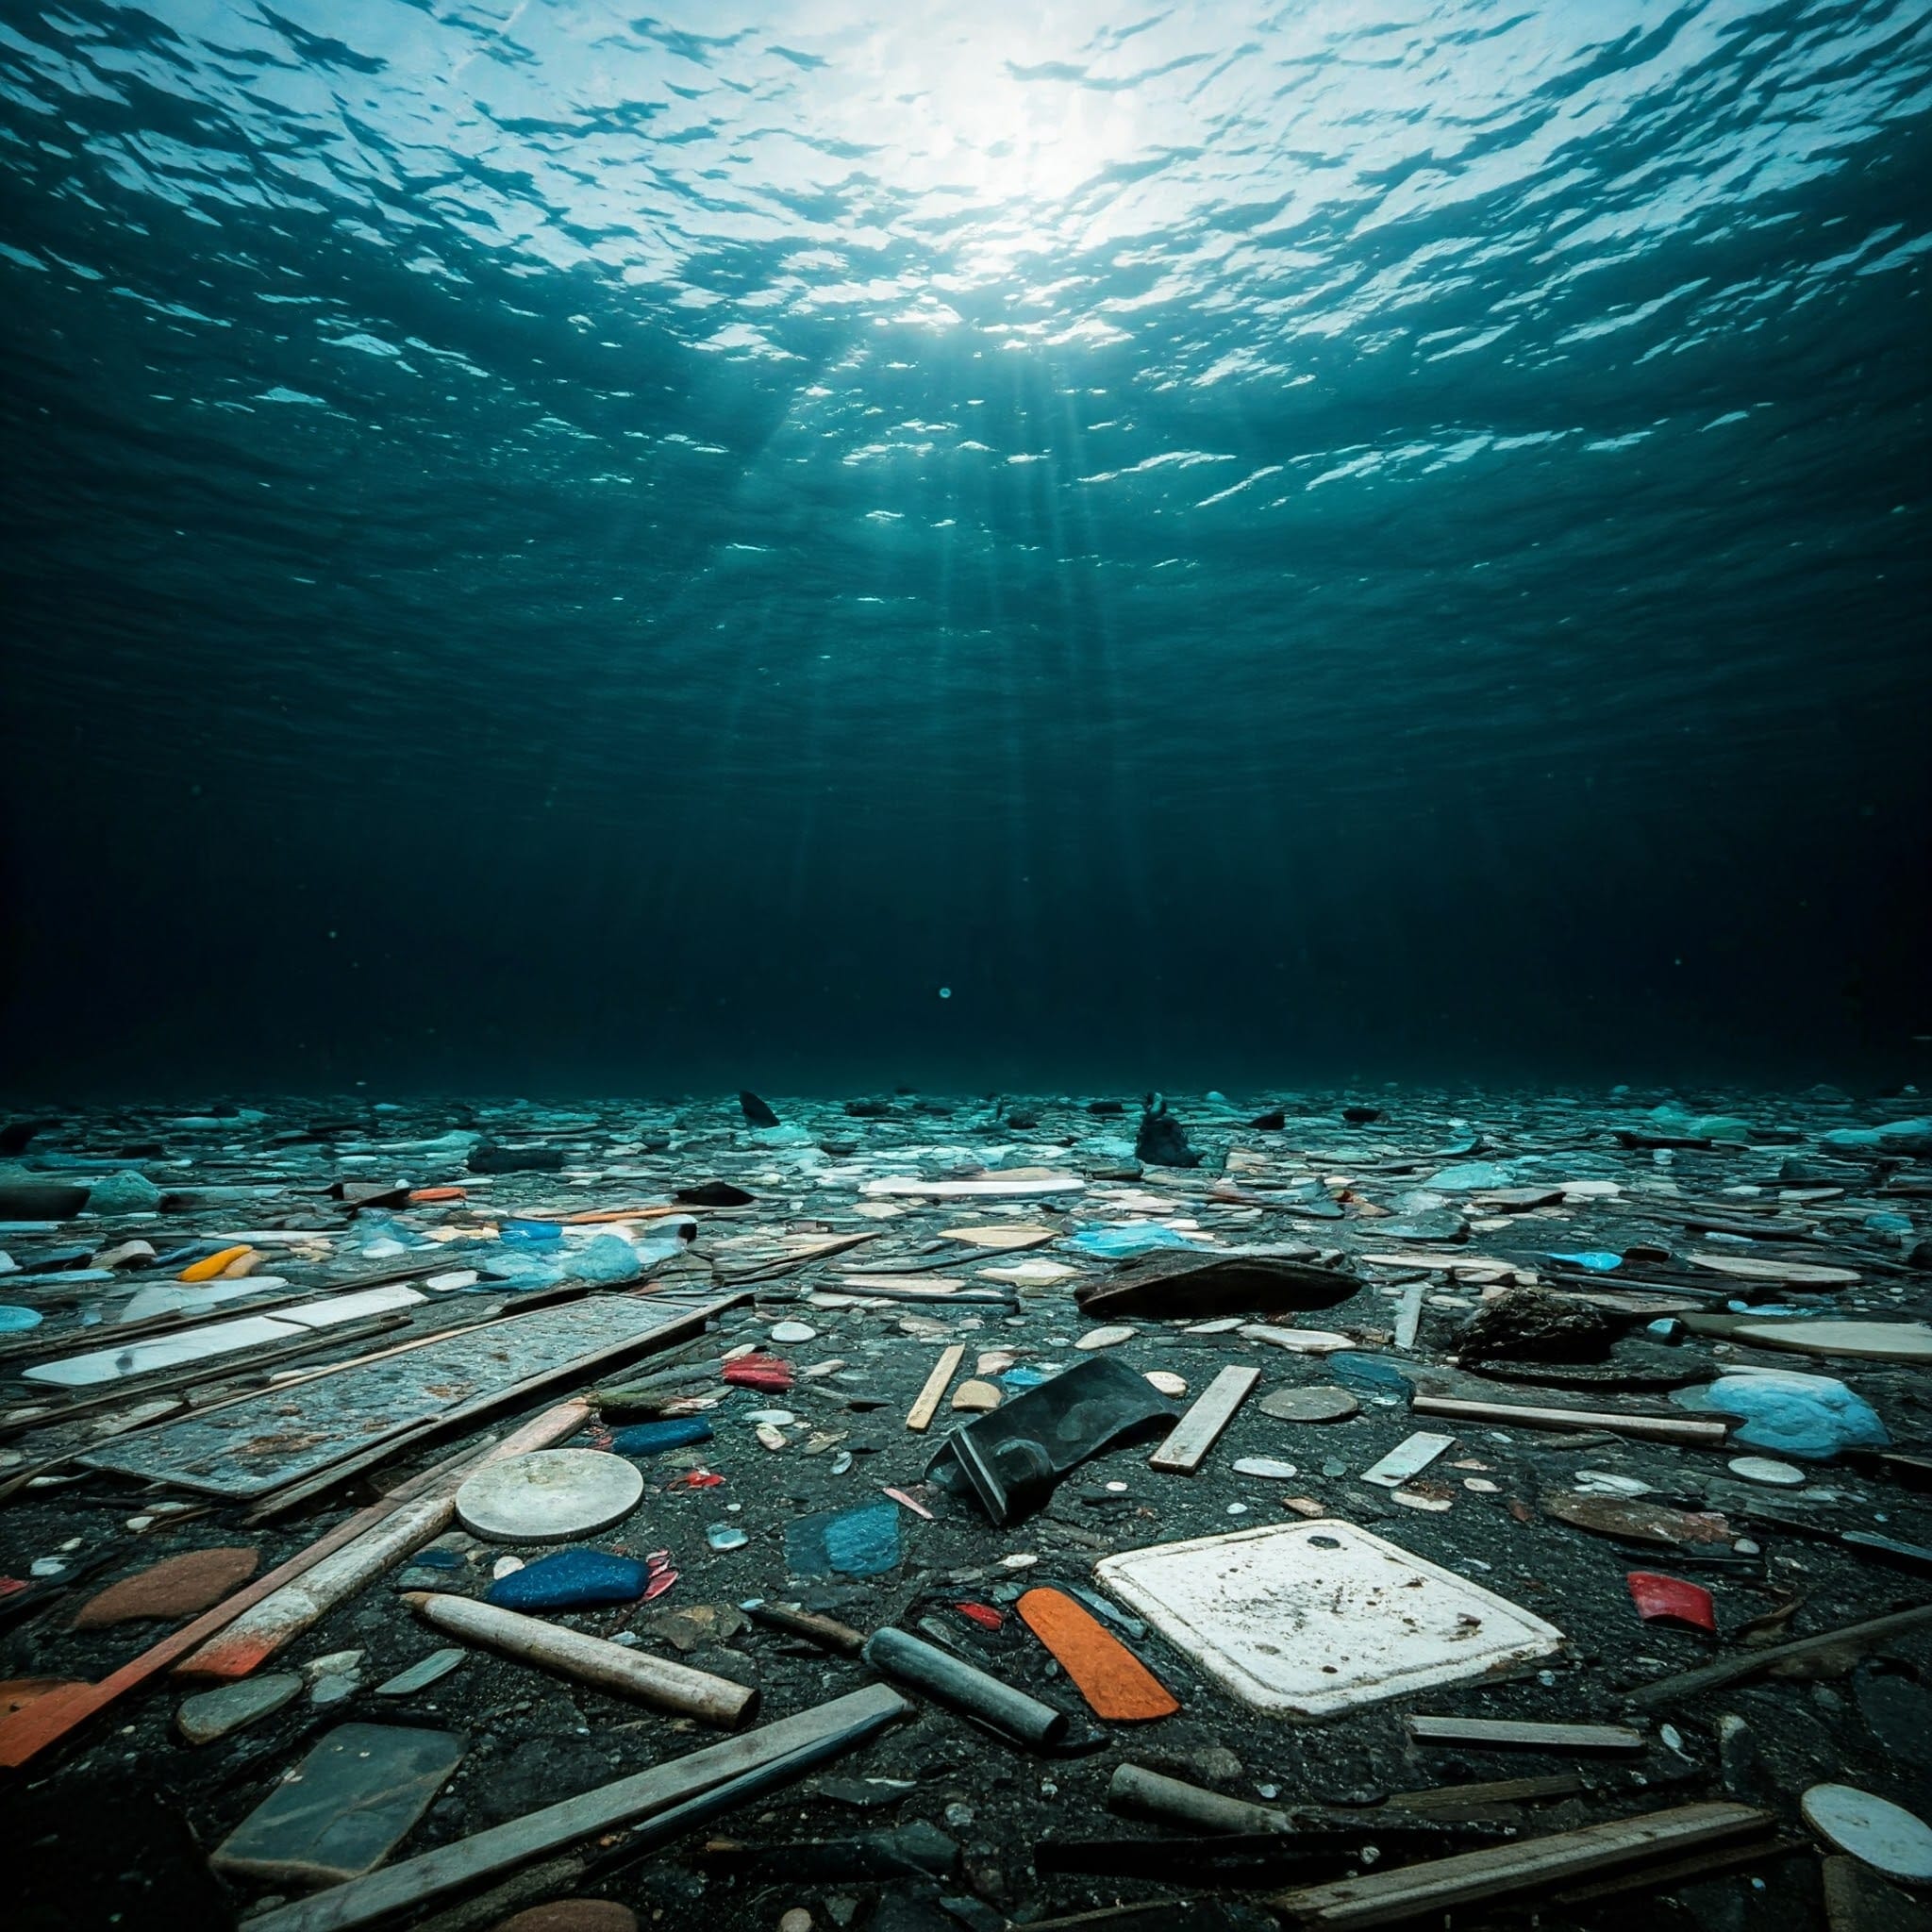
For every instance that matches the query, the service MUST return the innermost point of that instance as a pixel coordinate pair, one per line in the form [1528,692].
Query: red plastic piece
[983,1614]
[695,1479]
[1672,1600]
[764,1372]
[661,1581]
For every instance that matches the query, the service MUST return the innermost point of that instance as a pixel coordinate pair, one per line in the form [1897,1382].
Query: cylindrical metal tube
[1148,1795]
[672,1687]
[954,1682]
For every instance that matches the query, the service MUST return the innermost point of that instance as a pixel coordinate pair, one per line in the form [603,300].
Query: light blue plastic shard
[1808,1418]
[845,1542]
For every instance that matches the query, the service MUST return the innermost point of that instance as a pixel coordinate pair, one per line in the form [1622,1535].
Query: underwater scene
[965,967]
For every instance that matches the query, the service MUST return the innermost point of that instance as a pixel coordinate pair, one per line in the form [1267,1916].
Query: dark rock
[488,1157]
[1269,1122]
[1525,1324]
[868,1109]
[1161,1139]
[713,1194]
[571,1915]
[756,1111]
[1360,1116]
[348,1806]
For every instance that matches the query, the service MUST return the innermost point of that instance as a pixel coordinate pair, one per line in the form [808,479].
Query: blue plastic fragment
[1368,1374]
[1809,1418]
[530,1233]
[1123,1240]
[1022,1377]
[437,1559]
[568,1580]
[1598,1261]
[648,1438]
[845,1542]
[13,1319]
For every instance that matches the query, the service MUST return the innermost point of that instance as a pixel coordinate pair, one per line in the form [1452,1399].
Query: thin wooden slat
[923,1410]
[1713,1676]
[1653,1429]
[1198,1430]
[1506,1731]
[1410,1891]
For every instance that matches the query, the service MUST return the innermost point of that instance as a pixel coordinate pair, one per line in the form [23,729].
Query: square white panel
[1309,1620]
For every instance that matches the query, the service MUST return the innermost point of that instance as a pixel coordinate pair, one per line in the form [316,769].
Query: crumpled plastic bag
[1808,1418]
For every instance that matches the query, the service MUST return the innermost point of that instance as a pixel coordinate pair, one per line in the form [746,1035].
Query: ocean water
[818,544]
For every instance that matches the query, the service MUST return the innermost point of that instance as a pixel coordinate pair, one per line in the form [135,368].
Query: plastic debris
[1670,1599]
[571,1579]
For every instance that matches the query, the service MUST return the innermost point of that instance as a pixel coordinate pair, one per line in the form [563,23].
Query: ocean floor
[819,1367]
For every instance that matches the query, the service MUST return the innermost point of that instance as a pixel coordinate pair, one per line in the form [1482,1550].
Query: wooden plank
[1408,1313]
[1538,1736]
[1198,1430]
[1385,1898]
[395,1889]
[1650,1428]
[1712,1676]
[923,1410]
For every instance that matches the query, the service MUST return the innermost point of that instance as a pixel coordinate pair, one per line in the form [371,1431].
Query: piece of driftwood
[1849,1637]
[589,1660]
[1495,1872]
[1138,1792]
[398,1889]
[1650,1428]
[926,1404]
[256,1634]
[1200,1428]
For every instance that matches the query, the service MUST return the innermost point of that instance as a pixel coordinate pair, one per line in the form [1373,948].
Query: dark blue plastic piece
[649,1438]
[572,1579]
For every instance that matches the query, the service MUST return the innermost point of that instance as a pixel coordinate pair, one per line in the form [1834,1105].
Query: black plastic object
[490,1158]
[1194,1286]
[1011,1458]
[41,1201]
[756,1111]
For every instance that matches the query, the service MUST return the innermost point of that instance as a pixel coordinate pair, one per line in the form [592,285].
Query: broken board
[247,1448]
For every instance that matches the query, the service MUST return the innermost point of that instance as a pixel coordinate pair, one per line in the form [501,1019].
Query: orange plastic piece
[211,1265]
[1115,1683]
[420,1197]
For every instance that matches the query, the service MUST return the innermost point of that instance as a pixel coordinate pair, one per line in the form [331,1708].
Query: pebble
[1106,1338]
[975,1396]
[1321,1403]
[212,1714]
[1167,1382]
[1767,1469]
[797,1920]
[1020,1559]
[335,1689]
[793,1331]
[725,1536]
[1265,1465]
[771,1417]
[506,1566]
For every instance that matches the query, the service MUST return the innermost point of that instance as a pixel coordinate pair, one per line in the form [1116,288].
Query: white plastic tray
[1309,1620]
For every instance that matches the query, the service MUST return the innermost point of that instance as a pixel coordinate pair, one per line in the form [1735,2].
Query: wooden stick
[1383,1898]
[256,1634]
[1145,1793]
[395,1889]
[922,1412]
[592,1659]
[1200,1428]
[1540,1736]
[1450,1802]
[1652,1429]
[1729,1669]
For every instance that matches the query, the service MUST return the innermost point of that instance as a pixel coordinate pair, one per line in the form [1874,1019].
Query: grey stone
[212,1714]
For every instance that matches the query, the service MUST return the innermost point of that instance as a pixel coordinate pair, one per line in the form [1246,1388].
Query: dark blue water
[548,542]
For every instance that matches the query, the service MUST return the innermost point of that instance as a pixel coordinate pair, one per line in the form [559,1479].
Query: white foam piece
[164,1352]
